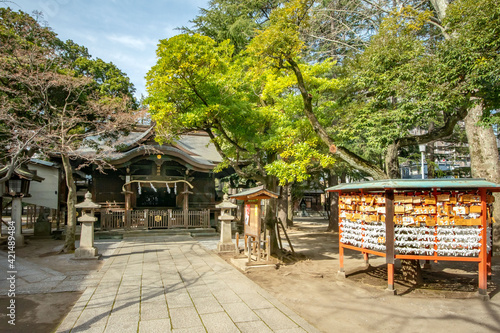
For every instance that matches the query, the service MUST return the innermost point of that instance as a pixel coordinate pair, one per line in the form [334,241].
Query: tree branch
[346,155]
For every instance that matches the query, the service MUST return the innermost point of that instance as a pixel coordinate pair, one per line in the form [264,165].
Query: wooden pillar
[341,272]
[128,206]
[389,239]
[185,205]
[483,255]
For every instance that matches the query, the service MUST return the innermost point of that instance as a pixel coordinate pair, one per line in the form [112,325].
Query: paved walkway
[172,284]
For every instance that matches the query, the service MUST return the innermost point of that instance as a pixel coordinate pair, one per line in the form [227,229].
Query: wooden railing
[148,218]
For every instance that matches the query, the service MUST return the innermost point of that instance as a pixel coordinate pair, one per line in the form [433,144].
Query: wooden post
[483,255]
[128,206]
[341,272]
[186,206]
[238,242]
[249,239]
[268,247]
[258,250]
[389,239]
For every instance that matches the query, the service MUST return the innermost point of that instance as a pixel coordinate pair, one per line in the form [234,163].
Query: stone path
[32,278]
[172,284]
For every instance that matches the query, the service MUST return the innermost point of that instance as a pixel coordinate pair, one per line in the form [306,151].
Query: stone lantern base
[86,253]
[226,242]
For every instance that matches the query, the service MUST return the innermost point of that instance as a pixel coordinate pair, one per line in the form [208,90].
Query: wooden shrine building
[157,186]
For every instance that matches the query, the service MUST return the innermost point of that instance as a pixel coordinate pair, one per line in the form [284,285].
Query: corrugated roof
[413,184]
[42,162]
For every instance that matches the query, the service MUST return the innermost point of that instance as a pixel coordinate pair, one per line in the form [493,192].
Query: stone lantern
[17,187]
[87,249]
[226,242]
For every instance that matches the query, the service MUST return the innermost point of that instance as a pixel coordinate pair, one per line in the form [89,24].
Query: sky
[124,32]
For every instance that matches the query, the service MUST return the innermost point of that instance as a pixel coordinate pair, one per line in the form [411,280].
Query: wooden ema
[483,258]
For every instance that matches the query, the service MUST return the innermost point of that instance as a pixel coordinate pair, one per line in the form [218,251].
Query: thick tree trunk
[392,161]
[69,242]
[333,221]
[282,206]
[289,202]
[483,155]
[270,218]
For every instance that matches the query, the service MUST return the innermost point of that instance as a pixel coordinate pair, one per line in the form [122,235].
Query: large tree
[54,99]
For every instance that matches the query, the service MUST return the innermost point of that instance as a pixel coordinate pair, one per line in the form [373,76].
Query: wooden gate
[147,218]
[158,219]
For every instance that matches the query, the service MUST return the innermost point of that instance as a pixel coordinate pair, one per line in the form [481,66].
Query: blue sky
[125,32]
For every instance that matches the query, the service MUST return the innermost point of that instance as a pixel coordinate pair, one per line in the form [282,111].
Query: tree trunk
[282,206]
[483,155]
[392,161]
[69,242]
[343,153]
[289,202]
[333,220]
[270,215]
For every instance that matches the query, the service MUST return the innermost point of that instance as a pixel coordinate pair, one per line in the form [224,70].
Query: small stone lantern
[226,242]
[87,249]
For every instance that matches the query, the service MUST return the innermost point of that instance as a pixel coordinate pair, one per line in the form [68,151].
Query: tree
[54,108]
[470,56]
[232,20]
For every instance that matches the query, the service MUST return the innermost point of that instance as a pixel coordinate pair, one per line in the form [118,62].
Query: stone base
[483,295]
[42,230]
[226,247]
[86,253]
[391,291]
[245,266]
[19,240]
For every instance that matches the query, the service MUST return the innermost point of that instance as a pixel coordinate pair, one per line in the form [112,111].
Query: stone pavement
[33,278]
[172,284]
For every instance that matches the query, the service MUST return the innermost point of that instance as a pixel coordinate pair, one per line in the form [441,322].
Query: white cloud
[131,41]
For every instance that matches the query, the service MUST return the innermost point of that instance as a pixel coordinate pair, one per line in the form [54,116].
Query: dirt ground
[446,302]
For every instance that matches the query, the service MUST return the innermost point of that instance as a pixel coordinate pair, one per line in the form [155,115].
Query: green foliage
[232,20]
[470,59]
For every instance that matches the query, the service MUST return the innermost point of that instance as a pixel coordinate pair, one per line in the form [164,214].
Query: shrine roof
[416,184]
[255,193]
[194,148]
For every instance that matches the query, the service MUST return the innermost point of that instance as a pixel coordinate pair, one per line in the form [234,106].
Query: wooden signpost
[253,217]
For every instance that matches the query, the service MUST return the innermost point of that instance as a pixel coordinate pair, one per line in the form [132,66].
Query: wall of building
[44,193]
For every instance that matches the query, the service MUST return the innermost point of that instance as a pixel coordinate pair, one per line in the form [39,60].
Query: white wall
[44,193]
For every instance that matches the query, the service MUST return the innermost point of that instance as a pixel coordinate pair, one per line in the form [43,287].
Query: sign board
[252,218]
